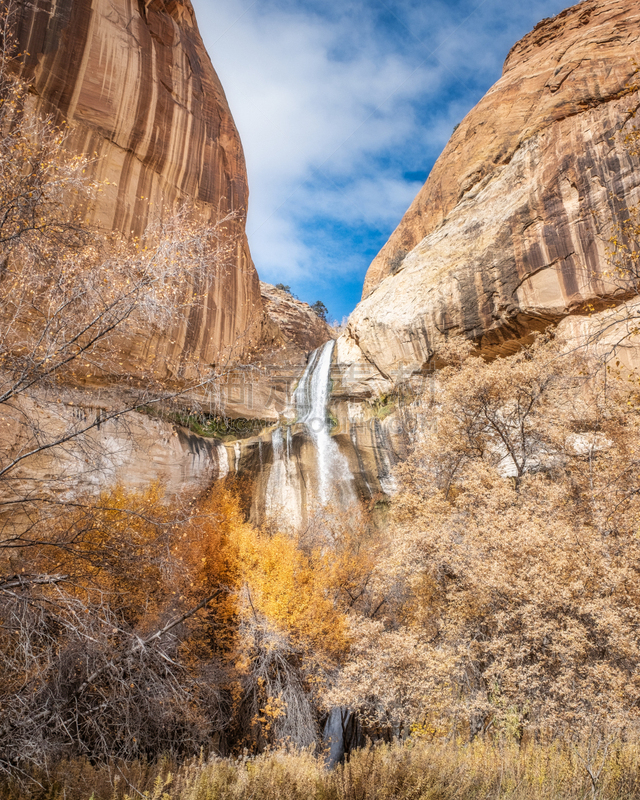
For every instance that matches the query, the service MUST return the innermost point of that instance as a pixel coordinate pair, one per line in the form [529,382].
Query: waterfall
[282,499]
[311,397]
[341,734]
[291,486]
[223,461]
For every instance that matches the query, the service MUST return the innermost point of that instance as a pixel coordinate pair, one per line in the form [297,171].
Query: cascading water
[311,397]
[291,487]
[282,500]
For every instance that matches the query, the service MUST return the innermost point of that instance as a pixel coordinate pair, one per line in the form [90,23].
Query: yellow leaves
[292,589]
[274,708]
[116,532]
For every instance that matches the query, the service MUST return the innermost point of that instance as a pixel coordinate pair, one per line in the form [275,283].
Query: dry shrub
[512,568]
[130,629]
[92,638]
[415,770]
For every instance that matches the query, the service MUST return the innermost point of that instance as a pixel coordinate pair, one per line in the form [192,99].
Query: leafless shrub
[276,706]
[94,660]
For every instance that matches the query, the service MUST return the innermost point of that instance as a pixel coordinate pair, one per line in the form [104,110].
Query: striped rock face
[509,232]
[137,89]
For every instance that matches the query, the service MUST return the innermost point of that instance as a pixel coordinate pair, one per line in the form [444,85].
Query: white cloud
[375,200]
[283,255]
[297,107]
[334,103]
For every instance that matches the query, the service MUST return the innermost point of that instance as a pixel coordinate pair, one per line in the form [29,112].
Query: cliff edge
[510,231]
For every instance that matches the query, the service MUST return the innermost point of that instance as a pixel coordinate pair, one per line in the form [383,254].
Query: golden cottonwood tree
[276,623]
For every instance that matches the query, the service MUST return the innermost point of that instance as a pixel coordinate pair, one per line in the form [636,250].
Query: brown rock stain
[564,67]
[137,88]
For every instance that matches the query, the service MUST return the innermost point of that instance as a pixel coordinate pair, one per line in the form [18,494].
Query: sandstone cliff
[137,89]
[509,232]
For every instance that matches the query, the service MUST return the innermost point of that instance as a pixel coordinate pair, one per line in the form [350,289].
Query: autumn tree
[99,622]
[513,561]
[134,628]
[279,628]
[92,638]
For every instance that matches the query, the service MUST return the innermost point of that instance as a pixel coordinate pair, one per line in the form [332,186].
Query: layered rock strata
[136,87]
[137,93]
[133,450]
[510,231]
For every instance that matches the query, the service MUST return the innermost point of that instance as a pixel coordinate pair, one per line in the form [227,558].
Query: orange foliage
[206,555]
[109,547]
[291,588]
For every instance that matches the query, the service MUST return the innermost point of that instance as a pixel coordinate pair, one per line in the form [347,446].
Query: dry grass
[417,770]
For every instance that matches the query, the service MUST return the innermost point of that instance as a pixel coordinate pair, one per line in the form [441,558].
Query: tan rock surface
[509,232]
[137,88]
[611,335]
[297,329]
[290,333]
[134,450]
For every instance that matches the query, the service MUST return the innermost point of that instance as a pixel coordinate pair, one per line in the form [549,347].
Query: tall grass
[415,770]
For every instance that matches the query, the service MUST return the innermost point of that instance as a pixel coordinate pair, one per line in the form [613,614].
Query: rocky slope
[509,232]
[137,89]
[295,327]
[291,330]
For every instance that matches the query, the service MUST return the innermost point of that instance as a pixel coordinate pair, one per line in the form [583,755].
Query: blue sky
[342,108]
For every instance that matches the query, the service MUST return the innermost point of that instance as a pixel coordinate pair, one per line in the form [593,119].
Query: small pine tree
[320,309]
